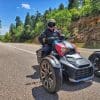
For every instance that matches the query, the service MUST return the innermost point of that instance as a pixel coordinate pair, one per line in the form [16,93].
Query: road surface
[19,77]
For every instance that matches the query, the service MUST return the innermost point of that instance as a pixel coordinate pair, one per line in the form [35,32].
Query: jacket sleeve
[61,36]
[41,38]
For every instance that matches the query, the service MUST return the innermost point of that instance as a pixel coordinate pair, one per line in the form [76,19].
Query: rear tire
[50,76]
[39,55]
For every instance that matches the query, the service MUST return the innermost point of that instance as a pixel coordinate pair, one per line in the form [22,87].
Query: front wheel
[50,76]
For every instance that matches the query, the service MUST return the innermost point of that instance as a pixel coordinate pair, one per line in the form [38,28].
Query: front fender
[53,60]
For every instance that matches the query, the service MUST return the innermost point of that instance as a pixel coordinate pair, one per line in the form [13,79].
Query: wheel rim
[47,75]
[96,63]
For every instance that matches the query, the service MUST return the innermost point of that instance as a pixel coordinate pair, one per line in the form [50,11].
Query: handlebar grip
[51,38]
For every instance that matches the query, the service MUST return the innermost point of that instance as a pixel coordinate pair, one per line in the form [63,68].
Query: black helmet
[51,23]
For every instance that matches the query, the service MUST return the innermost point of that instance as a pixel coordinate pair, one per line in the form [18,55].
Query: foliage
[63,19]
[1,37]
[75,14]
[61,6]
[28,20]
[95,7]
[74,4]
[7,38]
[18,21]
[64,16]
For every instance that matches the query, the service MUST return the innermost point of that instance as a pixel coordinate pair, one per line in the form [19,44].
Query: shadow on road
[39,92]
[69,86]
[35,75]
[96,79]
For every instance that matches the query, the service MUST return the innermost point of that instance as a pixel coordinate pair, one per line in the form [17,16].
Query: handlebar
[52,38]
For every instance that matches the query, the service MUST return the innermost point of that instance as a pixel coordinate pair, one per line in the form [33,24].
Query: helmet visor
[51,24]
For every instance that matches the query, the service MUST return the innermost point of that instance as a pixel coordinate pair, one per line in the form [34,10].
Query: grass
[81,45]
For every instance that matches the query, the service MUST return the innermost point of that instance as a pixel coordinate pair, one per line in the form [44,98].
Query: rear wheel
[51,77]
[39,55]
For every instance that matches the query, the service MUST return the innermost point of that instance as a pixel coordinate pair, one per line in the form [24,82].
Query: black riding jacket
[48,33]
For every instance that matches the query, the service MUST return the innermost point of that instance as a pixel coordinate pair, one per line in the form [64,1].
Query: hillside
[87,30]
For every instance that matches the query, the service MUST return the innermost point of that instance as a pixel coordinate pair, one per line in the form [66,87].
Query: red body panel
[59,47]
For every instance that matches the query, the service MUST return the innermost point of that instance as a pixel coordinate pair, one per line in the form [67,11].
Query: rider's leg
[46,50]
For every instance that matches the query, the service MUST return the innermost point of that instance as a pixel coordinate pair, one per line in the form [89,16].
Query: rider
[49,32]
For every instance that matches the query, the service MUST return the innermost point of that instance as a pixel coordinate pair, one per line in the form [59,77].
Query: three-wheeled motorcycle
[63,60]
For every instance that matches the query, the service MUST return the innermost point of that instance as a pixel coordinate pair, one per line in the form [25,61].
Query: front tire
[50,76]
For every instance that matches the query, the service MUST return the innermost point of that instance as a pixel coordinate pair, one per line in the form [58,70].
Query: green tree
[28,20]
[19,33]
[35,18]
[18,21]
[74,4]
[38,16]
[71,4]
[12,27]
[12,32]
[50,10]
[95,7]
[39,28]
[86,10]
[26,34]
[45,17]
[75,14]
[27,28]
[61,6]
[33,21]
[7,38]
[63,19]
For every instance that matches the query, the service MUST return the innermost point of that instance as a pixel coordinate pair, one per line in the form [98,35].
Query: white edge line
[27,51]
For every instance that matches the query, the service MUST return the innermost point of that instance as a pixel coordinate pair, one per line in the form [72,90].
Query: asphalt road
[19,77]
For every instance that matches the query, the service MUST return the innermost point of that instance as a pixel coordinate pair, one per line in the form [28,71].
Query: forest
[35,24]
